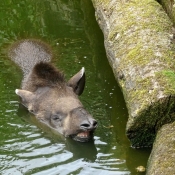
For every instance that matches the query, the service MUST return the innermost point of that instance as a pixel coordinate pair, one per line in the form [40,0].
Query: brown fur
[44,74]
[46,94]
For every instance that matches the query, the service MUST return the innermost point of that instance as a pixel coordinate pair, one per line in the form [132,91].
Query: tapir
[46,94]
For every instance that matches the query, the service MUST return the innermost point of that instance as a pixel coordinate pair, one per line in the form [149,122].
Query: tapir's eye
[56,117]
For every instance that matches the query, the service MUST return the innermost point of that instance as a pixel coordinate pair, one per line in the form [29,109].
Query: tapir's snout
[82,123]
[90,124]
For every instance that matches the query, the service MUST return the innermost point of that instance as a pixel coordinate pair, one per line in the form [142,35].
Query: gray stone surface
[139,46]
[162,158]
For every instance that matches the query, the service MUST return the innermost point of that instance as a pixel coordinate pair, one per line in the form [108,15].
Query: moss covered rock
[138,42]
[162,158]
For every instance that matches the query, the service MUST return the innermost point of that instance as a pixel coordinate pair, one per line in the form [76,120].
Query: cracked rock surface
[139,45]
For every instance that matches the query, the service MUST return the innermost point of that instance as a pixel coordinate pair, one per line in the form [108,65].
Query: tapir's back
[26,53]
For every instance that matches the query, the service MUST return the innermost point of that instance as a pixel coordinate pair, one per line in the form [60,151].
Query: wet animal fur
[27,53]
[47,95]
[33,57]
[44,75]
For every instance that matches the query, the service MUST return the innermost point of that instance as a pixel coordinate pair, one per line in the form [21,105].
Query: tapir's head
[55,102]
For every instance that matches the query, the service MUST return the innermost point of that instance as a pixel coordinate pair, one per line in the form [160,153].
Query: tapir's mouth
[83,136]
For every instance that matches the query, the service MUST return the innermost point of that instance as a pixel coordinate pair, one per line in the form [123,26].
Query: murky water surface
[70,28]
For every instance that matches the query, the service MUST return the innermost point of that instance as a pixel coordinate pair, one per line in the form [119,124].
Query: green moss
[146,114]
[135,25]
[138,17]
[140,91]
[170,76]
[167,81]
[139,37]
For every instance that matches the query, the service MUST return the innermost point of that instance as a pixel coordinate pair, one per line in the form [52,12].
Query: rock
[140,169]
[162,158]
[138,41]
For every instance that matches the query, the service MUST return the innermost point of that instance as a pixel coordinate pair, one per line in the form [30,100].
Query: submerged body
[47,95]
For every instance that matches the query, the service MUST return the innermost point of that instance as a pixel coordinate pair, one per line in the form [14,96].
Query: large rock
[162,158]
[138,42]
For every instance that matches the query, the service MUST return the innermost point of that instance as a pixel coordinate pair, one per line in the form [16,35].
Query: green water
[70,28]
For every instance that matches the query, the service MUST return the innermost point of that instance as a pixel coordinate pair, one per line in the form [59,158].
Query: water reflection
[87,151]
[37,152]
[40,151]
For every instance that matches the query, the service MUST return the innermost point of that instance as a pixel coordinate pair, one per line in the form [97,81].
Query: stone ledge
[138,41]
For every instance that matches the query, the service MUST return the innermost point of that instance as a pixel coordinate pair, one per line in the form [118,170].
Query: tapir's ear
[77,82]
[26,96]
